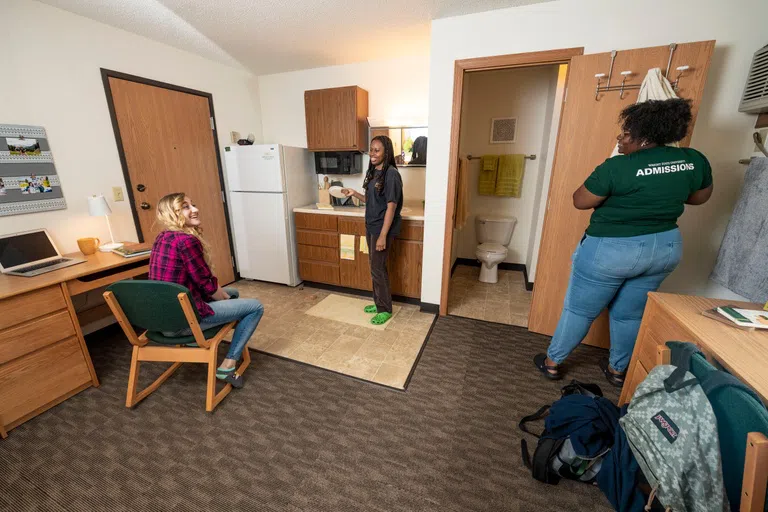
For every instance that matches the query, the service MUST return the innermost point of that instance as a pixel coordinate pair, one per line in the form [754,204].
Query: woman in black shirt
[383,203]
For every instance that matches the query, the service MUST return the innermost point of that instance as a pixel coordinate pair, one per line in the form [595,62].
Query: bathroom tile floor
[506,302]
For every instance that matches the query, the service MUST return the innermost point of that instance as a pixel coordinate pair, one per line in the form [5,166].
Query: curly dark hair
[657,122]
[388,161]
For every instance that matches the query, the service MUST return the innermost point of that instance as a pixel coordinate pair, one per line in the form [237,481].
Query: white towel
[655,86]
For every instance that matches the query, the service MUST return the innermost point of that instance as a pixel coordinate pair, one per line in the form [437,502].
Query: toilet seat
[491,248]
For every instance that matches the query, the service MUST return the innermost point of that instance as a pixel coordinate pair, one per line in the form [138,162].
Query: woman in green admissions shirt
[632,242]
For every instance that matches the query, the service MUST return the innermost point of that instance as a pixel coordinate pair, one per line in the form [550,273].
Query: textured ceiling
[272,36]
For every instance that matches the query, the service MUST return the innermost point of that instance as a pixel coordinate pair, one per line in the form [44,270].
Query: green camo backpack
[672,431]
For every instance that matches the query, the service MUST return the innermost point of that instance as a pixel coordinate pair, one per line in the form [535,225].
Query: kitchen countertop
[410,211]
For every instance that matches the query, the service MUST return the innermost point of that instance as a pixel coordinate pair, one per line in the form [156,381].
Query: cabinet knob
[145,206]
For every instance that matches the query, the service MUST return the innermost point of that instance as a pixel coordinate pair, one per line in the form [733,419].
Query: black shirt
[376,202]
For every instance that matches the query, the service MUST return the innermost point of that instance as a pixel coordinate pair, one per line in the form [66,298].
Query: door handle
[140,187]
[145,206]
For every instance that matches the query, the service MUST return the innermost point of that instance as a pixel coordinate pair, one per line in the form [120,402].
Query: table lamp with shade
[97,206]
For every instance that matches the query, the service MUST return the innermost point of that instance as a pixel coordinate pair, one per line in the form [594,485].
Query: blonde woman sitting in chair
[180,255]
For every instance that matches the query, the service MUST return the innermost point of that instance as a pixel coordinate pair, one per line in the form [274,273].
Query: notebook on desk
[31,253]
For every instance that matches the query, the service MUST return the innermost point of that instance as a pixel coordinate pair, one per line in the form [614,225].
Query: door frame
[517,60]
[106,74]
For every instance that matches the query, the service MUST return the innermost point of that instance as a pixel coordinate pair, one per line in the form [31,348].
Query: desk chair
[742,424]
[159,307]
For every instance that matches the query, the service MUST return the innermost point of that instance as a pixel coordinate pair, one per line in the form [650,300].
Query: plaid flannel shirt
[178,258]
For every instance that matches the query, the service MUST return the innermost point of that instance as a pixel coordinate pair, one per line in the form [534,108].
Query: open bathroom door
[587,135]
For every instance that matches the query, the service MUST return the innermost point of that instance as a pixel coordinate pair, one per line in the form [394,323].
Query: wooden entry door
[587,136]
[169,145]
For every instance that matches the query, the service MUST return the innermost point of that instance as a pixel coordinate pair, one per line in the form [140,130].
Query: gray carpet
[301,438]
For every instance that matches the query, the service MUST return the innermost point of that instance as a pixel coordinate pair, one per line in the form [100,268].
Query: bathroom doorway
[508,129]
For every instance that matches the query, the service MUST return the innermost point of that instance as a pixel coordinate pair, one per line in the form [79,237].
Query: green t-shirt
[645,191]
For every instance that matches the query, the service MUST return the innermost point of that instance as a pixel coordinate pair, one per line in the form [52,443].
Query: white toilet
[493,234]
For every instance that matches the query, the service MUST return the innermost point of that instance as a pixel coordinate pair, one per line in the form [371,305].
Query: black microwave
[338,162]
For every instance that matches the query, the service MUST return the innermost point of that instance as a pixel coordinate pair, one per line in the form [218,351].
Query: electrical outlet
[117,194]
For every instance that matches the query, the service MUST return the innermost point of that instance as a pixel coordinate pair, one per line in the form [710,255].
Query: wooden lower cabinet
[320,262]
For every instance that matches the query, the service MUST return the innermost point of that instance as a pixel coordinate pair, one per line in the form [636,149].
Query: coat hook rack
[626,74]
[527,157]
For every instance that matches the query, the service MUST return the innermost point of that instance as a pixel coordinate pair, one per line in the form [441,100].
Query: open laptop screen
[25,248]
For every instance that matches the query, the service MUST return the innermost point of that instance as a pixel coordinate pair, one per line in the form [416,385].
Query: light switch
[117,194]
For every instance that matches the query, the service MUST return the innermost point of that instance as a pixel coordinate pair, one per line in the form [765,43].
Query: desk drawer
[32,382]
[32,336]
[662,329]
[22,308]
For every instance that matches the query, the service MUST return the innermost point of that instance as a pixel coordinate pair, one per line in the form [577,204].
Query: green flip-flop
[381,318]
[371,309]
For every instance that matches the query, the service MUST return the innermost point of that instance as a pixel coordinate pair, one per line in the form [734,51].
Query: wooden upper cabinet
[337,119]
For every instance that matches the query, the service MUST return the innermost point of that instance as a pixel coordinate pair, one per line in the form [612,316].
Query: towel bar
[527,157]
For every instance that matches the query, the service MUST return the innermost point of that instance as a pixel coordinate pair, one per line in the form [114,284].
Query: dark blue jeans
[616,273]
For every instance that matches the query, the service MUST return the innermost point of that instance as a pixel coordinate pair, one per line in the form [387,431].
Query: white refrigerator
[266,182]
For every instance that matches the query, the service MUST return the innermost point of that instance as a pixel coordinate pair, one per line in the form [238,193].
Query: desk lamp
[97,206]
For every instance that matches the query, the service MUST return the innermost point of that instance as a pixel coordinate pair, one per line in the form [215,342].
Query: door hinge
[213,126]
[223,197]
[232,259]
[565,94]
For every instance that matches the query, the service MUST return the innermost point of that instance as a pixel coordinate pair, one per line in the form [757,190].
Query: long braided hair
[388,161]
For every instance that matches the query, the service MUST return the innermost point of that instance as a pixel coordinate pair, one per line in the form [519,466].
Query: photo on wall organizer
[29,182]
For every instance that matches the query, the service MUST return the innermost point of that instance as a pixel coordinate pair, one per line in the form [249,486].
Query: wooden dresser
[43,356]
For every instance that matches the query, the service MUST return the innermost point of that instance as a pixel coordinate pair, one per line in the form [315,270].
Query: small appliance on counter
[340,201]
[338,162]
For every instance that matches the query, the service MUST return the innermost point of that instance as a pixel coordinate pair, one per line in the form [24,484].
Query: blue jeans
[247,311]
[616,273]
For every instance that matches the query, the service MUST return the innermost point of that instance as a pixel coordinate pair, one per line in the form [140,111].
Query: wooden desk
[43,357]
[671,317]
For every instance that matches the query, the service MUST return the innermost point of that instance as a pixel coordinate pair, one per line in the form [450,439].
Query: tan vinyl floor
[506,302]
[382,356]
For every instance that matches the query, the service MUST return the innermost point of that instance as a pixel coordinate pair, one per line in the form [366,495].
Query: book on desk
[131,250]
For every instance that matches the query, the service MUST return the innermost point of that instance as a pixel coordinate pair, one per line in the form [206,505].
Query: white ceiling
[272,36]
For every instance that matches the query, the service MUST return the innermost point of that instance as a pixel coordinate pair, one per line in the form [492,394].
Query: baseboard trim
[515,267]
[360,293]
[428,307]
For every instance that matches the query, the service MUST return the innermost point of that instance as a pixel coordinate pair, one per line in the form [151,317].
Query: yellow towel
[462,195]
[487,179]
[363,245]
[509,181]
[347,247]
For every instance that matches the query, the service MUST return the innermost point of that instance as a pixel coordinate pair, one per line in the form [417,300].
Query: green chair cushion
[153,305]
[159,337]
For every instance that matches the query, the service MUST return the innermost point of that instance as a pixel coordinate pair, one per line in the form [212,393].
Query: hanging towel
[462,195]
[654,87]
[363,245]
[488,169]
[741,264]
[509,181]
[347,247]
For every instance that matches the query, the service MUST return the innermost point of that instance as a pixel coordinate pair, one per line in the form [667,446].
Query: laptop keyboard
[42,265]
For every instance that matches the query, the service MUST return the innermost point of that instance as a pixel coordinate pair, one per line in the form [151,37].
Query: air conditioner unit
[755,97]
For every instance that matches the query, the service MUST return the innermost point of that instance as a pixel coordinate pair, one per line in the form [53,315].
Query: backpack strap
[533,417]
[681,359]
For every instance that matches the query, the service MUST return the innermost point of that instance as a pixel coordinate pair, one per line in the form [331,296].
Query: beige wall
[397,90]
[60,88]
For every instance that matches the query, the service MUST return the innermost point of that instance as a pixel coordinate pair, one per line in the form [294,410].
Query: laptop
[31,253]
